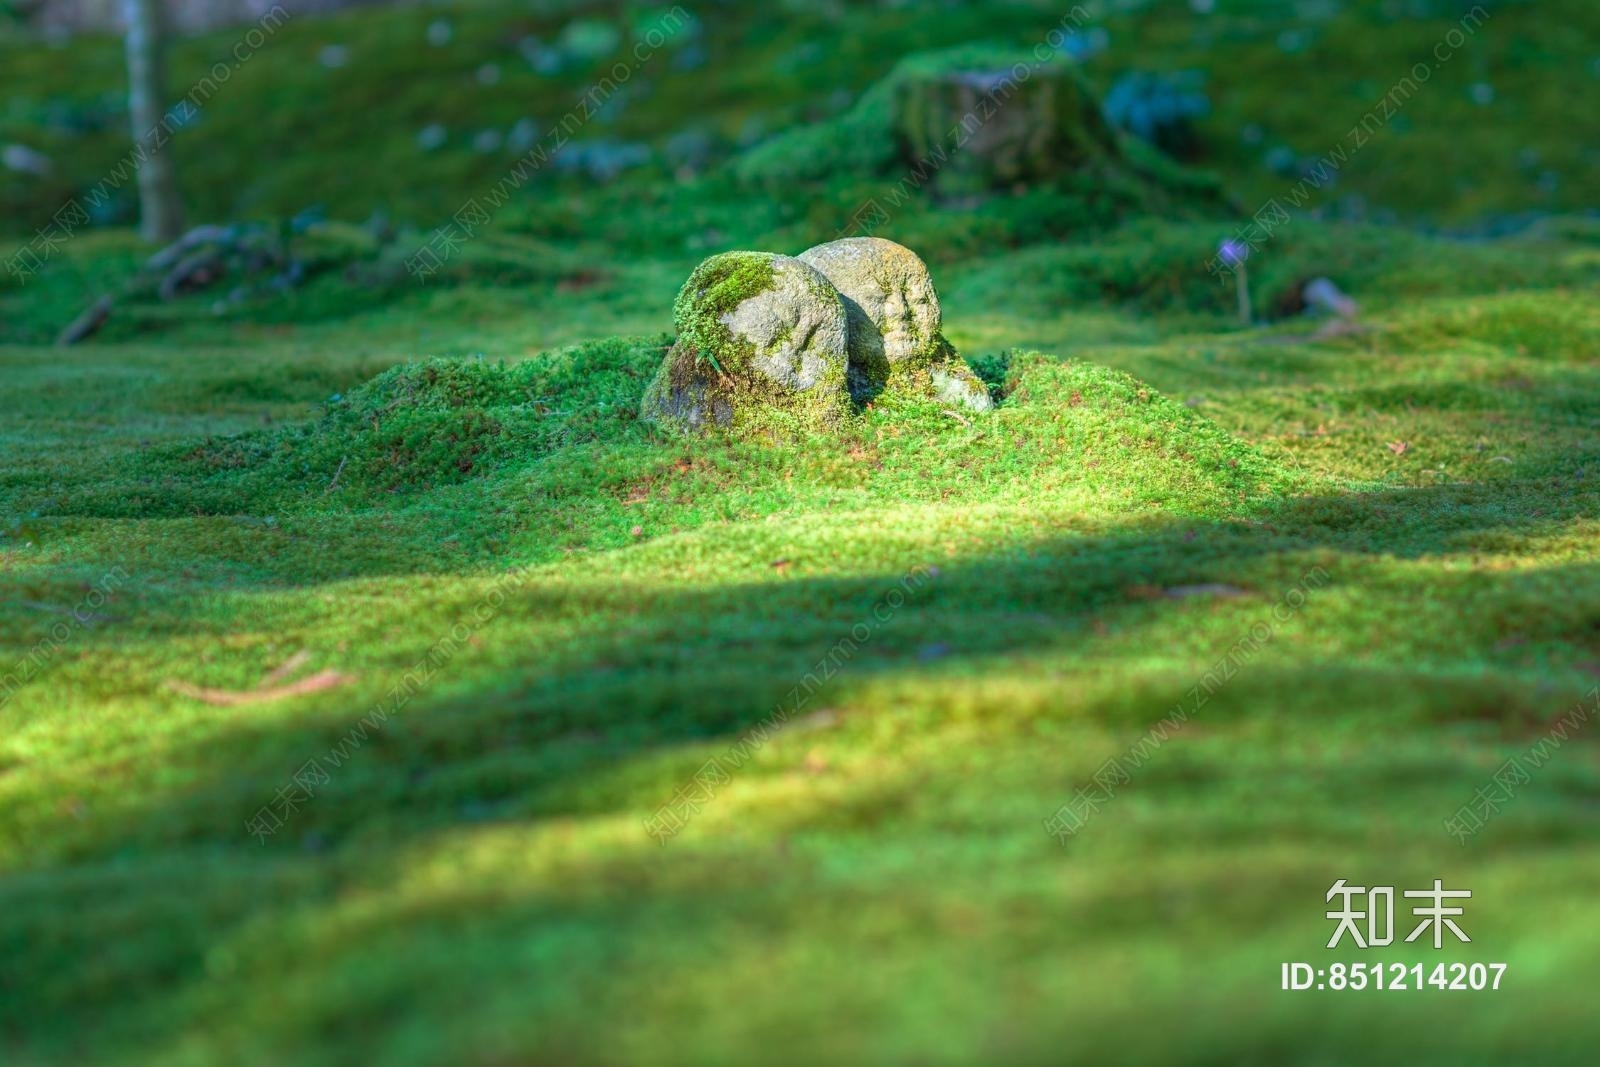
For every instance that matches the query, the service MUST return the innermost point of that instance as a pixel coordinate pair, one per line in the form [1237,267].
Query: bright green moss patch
[433,423]
[417,427]
[1120,437]
[1138,502]
[445,491]
[717,287]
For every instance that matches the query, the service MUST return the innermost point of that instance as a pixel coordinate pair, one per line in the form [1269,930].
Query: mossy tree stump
[988,125]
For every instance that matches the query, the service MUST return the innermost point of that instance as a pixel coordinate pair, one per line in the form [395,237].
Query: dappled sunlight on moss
[338,476]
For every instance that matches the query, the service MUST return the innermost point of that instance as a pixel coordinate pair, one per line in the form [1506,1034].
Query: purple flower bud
[1233,252]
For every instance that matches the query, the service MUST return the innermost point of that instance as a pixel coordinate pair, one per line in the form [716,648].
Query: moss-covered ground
[416,533]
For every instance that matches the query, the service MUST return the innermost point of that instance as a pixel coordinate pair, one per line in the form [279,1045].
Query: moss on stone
[1019,120]
[744,366]
[716,288]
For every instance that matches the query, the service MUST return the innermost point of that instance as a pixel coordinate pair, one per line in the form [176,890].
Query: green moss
[317,125]
[489,834]
[414,428]
[874,882]
[858,143]
[924,118]
[716,288]
[992,369]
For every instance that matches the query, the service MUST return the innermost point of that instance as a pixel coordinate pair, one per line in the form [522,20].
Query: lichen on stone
[758,334]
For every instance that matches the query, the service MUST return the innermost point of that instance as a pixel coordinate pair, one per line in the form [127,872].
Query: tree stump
[986,125]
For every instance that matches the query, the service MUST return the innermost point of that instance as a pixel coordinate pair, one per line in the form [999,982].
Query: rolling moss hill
[531,619]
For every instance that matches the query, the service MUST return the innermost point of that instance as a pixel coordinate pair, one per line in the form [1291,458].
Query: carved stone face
[891,287]
[813,334]
[797,327]
[908,317]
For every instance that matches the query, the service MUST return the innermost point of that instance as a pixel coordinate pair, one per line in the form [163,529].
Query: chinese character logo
[1377,926]
[1438,916]
[1348,916]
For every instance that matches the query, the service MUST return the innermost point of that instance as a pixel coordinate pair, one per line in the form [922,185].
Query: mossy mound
[759,335]
[981,118]
[416,427]
[443,420]
[1118,438]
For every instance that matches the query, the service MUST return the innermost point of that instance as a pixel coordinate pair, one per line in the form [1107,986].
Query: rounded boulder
[757,332]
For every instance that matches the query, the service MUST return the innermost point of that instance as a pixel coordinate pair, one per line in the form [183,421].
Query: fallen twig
[315,683]
[335,482]
[269,687]
[290,665]
[88,324]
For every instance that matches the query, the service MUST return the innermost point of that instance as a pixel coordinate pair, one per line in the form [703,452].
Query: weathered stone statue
[763,335]
[895,323]
[757,332]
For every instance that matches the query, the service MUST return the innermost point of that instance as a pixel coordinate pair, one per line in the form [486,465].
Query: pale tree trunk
[160,209]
